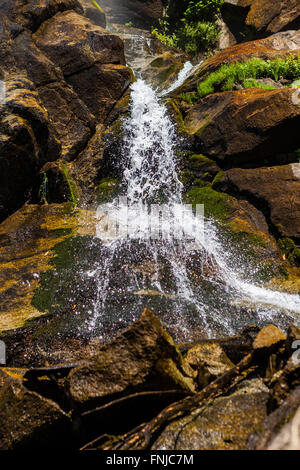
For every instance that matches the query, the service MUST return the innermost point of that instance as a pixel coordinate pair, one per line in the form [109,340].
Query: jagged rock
[275,189]
[29,421]
[32,14]
[209,361]
[143,357]
[260,18]
[222,424]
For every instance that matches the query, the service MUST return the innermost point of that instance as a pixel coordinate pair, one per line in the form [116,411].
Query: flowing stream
[157,253]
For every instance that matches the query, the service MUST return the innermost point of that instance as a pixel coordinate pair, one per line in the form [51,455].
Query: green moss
[43,191]
[189,97]
[198,161]
[65,293]
[286,245]
[71,184]
[216,204]
[106,189]
[218,178]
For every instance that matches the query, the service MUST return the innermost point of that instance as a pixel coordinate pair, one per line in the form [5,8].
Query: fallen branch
[141,440]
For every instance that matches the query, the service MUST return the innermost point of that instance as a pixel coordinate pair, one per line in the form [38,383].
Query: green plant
[203,10]
[97,6]
[197,29]
[251,83]
[168,40]
[197,37]
[43,191]
[247,73]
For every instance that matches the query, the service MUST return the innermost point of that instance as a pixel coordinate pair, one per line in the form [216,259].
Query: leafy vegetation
[247,74]
[197,30]
[43,191]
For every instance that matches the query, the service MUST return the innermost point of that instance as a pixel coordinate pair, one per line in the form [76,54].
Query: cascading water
[160,258]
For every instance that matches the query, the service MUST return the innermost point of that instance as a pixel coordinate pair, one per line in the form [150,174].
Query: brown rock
[74,43]
[209,360]
[27,141]
[223,424]
[261,18]
[31,14]
[276,190]
[91,58]
[273,432]
[268,337]
[143,357]
[45,118]
[246,125]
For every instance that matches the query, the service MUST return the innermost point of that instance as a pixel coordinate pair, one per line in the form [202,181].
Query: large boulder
[265,123]
[91,59]
[27,141]
[275,189]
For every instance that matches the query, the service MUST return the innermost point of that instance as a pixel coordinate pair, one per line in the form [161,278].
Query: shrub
[197,30]
[197,37]
[203,10]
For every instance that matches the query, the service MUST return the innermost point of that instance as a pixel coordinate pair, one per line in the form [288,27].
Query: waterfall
[157,253]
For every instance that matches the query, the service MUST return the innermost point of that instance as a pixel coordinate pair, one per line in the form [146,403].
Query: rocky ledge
[240,392]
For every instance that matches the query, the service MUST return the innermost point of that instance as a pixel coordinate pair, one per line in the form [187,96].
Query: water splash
[191,286]
[184,73]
